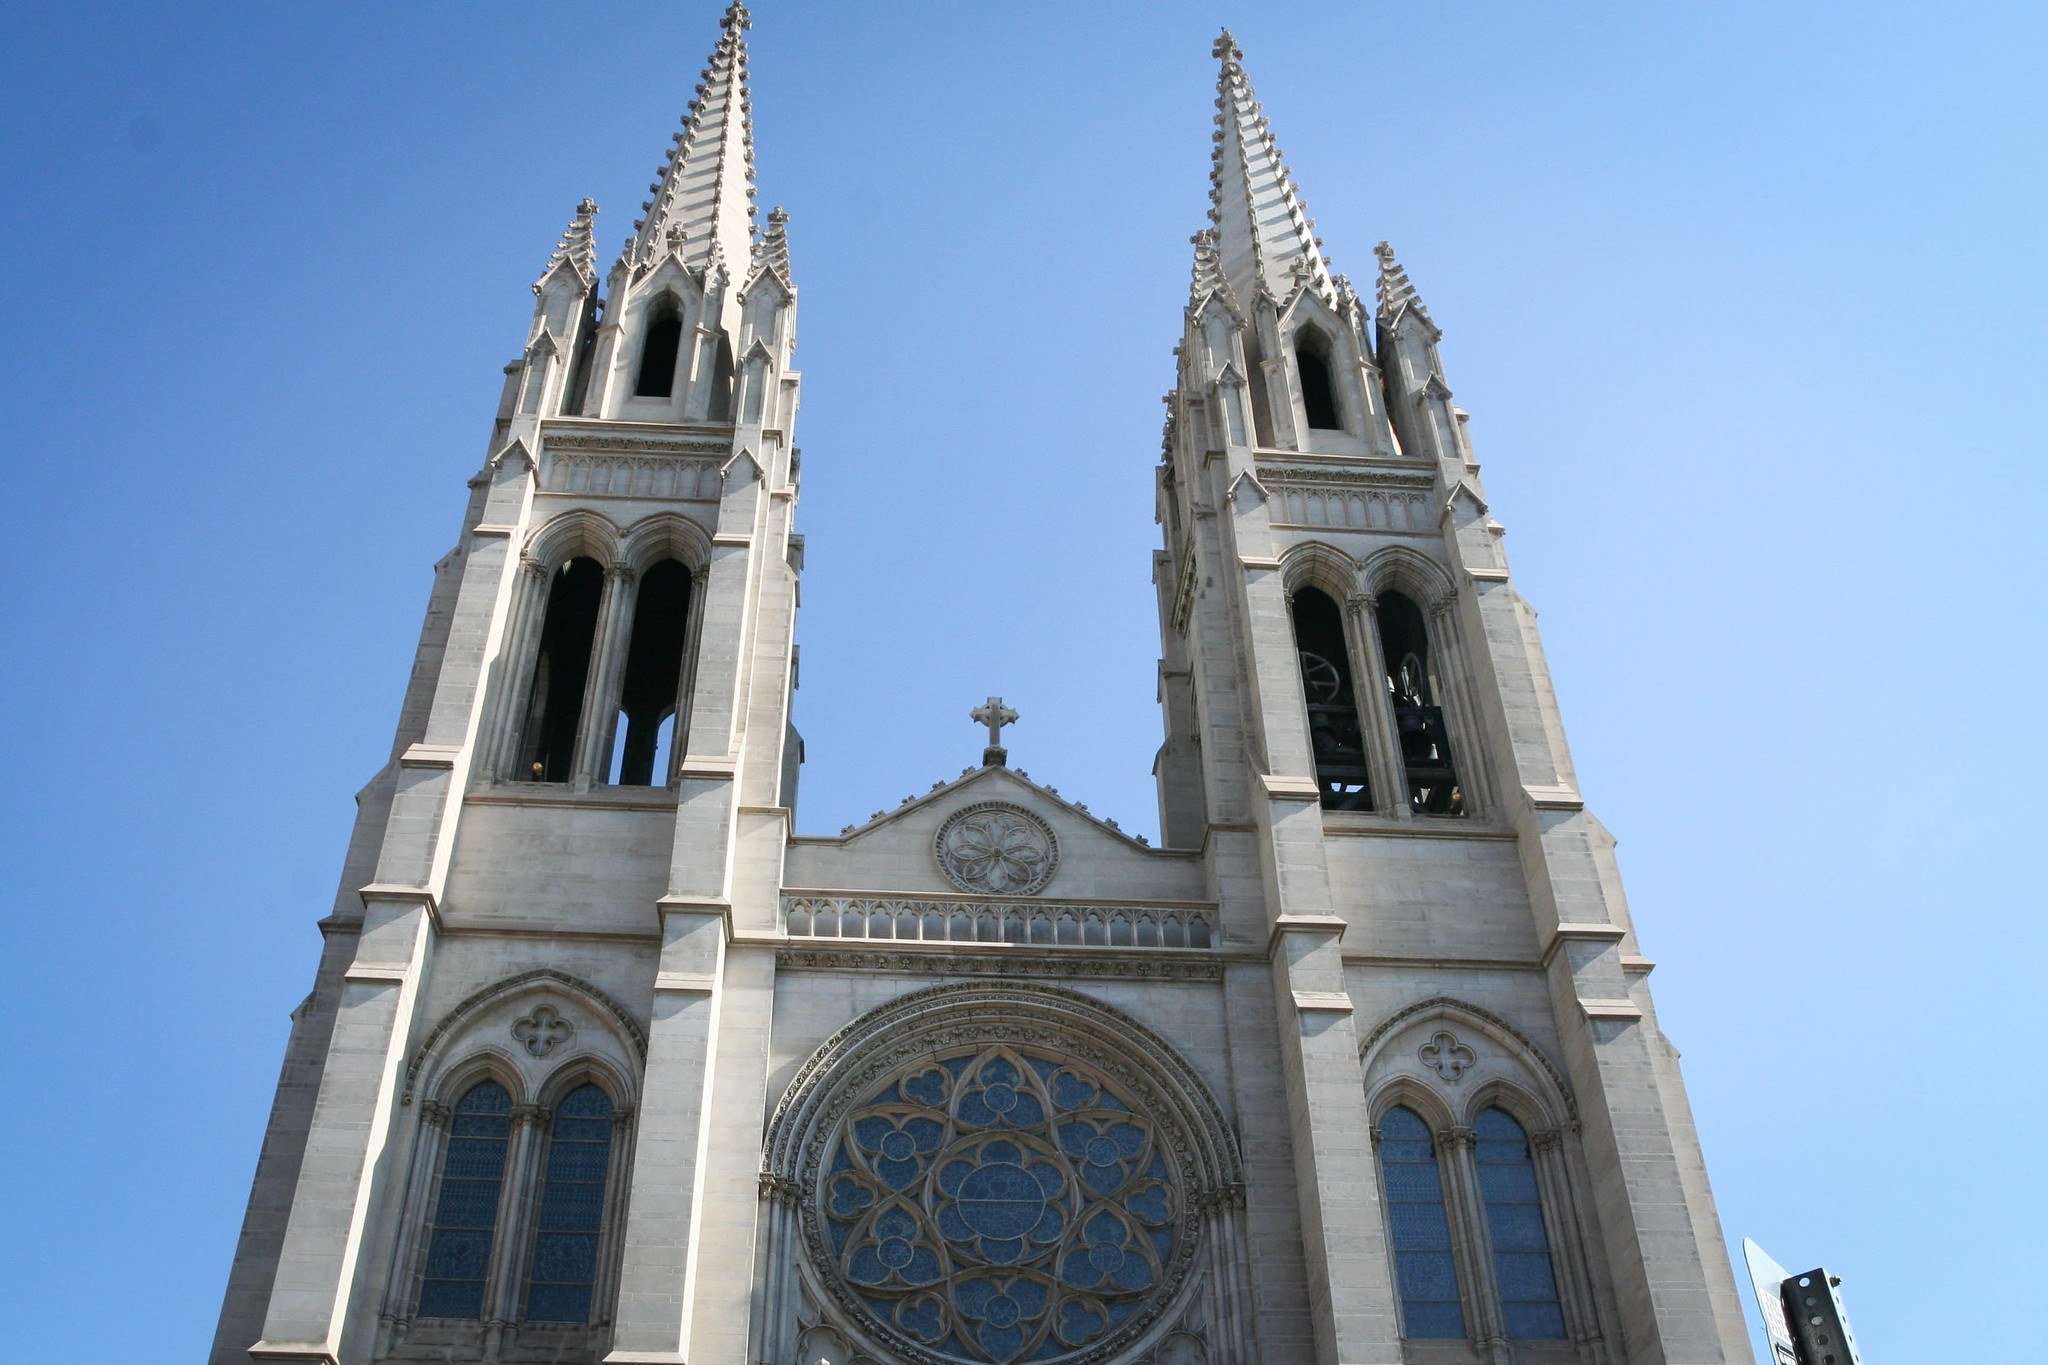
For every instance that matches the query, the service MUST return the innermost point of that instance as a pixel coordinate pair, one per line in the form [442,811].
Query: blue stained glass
[1514,1223]
[1421,1235]
[563,1277]
[1039,1208]
[466,1210]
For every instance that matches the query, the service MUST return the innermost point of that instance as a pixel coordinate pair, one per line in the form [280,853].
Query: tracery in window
[561,672]
[571,1208]
[1333,729]
[1418,720]
[1425,1271]
[1002,1205]
[466,1211]
[1514,1225]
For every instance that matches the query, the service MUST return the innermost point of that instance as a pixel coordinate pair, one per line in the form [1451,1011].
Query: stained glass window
[1002,1205]
[565,1243]
[1514,1220]
[1424,1270]
[465,1215]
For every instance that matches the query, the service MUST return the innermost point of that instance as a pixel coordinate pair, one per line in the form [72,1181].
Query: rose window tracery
[1001,1205]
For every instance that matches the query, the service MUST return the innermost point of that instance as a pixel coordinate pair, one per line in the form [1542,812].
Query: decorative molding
[998,848]
[1046,924]
[638,474]
[1056,965]
[1489,1020]
[1358,500]
[1199,1149]
[540,976]
[1184,591]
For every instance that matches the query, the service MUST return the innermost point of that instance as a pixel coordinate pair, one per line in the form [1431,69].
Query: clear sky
[1746,300]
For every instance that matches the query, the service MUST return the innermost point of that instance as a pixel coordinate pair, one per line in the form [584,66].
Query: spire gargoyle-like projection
[577,250]
[702,211]
[1207,280]
[1263,234]
[1397,295]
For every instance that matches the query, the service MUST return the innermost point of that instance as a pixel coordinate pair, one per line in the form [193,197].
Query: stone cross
[995,716]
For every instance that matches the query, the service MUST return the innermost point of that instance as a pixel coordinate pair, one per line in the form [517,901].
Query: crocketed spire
[771,250]
[577,250]
[1207,279]
[703,205]
[1263,233]
[1397,295]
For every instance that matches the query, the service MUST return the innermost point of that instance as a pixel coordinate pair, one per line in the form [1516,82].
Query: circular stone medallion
[997,849]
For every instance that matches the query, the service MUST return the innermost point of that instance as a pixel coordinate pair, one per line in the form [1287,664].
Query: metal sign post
[1803,1315]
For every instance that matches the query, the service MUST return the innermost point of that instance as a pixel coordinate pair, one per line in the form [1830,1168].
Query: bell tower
[1361,732]
[593,770]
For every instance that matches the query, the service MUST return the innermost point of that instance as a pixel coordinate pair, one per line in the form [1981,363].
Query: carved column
[517,1198]
[607,669]
[1467,756]
[1375,714]
[514,688]
[693,630]
[423,1189]
[1470,1241]
[1567,1246]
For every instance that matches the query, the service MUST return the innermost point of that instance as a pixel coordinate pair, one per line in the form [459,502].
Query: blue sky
[1746,301]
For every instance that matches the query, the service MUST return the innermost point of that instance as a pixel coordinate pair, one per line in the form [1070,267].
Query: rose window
[1002,1206]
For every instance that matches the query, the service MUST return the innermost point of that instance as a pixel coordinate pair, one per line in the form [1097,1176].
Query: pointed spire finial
[577,248]
[1263,232]
[702,205]
[1397,295]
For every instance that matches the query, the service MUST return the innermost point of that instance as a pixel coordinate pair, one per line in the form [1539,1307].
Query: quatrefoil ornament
[1447,1055]
[542,1029]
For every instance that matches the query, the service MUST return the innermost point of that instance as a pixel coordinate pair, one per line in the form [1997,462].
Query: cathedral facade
[604,1062]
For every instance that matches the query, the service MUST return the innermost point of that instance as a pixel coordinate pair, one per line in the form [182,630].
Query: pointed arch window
[1334,736]
[571,1208]
[561,672]
[649,694]
[1514,1225]
[466,1207]
[1427,768]
[1318,386]
[1425,1271]
[660,346]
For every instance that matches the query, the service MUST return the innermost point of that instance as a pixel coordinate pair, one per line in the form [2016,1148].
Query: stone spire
[771,250]
[703,206]
[577,250]
[1397,295]
[1264,235]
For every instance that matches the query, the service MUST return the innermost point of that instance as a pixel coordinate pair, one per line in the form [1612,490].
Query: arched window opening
[1425,744]
[721,383]
[1333,731]
[654,671]
[466,1212]
[1425,1272]
[658,351]
[561,671]
[572,1199]
[1514,1224]
[1318,391]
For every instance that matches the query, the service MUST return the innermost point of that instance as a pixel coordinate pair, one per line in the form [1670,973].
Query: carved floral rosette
[997,848]
[996,1172]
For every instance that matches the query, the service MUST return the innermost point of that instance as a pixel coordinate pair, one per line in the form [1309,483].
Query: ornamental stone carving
[542,1029]
[1447,1055]
[997,849]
